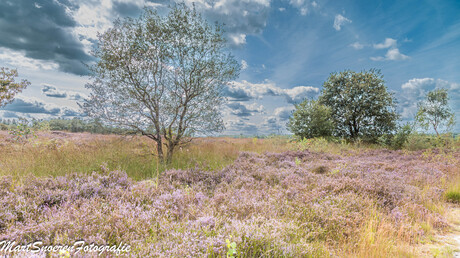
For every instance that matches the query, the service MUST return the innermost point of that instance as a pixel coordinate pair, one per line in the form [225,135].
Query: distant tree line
[75,125]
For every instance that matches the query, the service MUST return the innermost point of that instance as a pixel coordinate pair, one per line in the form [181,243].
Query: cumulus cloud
[303,5]
[415,90]
[244,91]
[277,122]
[49,34]
[36,108]
[31,106]
[241,18]
[70,112]
[244,110]
[241,126]
[273,124]
[283,113]
[7,114]
[18,58]
[392,53]
[238,38]
[339,21]
[389,42]
[53,92]
[299,93]
[357,45]
[43,30]
[244,65]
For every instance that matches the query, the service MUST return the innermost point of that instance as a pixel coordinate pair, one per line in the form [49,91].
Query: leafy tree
[8,87]
[162,76]
[434,111]
[311,119]
[361,106]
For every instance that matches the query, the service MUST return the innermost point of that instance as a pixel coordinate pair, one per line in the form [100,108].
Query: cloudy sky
[287,49]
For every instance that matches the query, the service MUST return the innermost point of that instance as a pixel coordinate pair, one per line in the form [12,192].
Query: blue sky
[287,49]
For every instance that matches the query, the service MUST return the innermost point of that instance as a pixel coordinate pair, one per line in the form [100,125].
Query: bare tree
[162,76]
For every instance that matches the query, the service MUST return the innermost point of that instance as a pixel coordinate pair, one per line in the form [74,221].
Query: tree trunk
[160,150]
[350,127]
[436,130]
[170,153]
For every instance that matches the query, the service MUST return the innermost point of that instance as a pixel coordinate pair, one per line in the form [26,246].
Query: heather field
[259,197]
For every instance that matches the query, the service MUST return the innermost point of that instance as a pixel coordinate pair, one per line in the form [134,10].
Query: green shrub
[22,131]
[401,136]
[418,141]
[311,119]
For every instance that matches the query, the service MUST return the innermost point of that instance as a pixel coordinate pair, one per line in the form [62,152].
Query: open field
[271,197]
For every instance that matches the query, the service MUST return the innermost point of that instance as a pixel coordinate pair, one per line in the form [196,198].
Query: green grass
[453,195]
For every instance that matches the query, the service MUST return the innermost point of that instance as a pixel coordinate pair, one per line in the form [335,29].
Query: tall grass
[84,153]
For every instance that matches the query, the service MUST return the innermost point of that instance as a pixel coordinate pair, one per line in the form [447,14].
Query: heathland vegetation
[350,182]
[271,197]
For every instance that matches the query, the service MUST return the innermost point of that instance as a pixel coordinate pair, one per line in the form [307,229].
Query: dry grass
[58,154]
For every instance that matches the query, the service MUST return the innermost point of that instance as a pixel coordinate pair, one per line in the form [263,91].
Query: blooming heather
[272,204]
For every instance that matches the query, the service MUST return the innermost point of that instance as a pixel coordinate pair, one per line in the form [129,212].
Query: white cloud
[238,39]
[244,110]
[392,52]
[303,5]
[32,107]
[389,42]
[415,90]
[244,65]
[303,11]
[53,92]
[283,113]
[299,93]
[339,21]
[18,59]
[241,17]
[245,90]
[241,126]
[357,45]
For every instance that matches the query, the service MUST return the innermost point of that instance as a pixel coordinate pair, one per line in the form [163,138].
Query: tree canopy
[162,76]
[311,119]
[361,106]
[8,87]
[435,111]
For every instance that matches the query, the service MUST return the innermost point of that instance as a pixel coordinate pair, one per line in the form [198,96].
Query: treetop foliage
[8,87]
[361,106]
[311,119]
[435,111]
